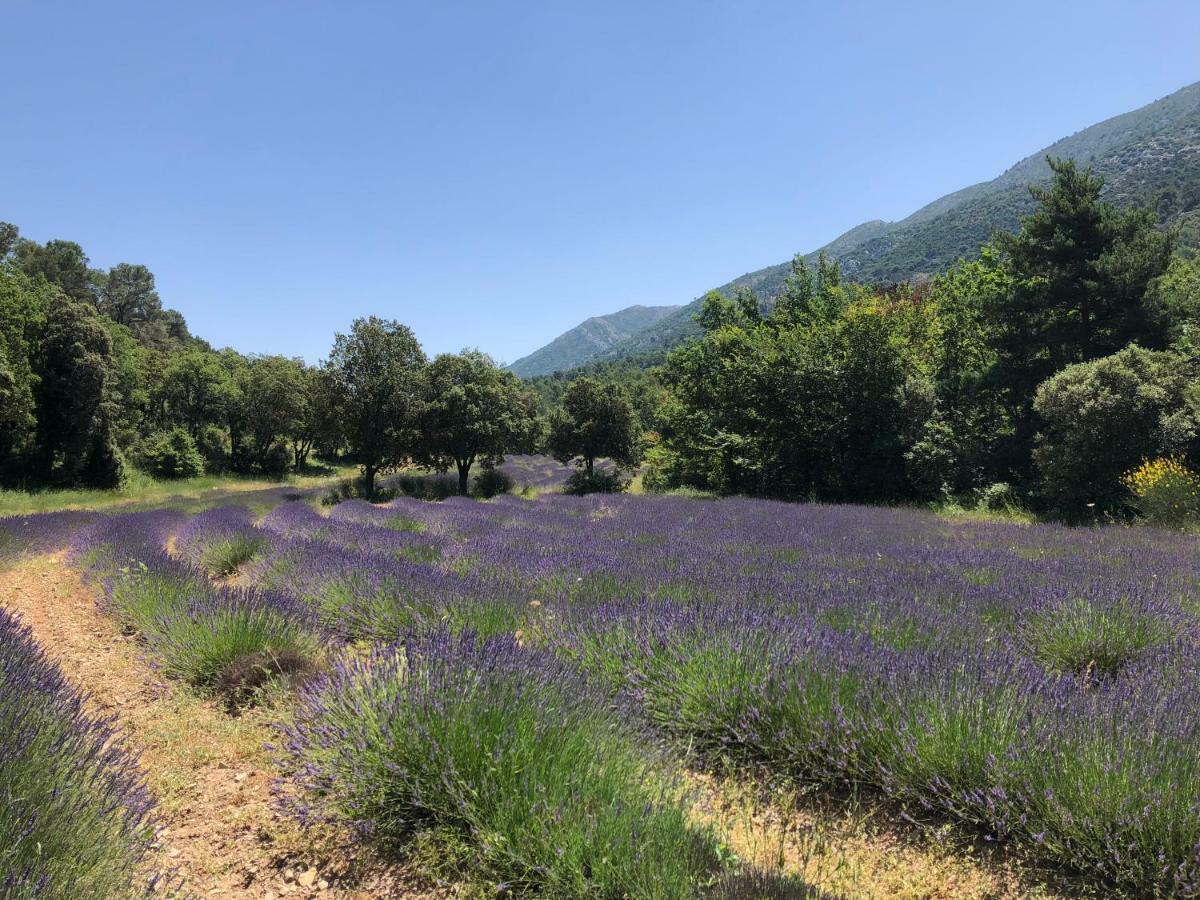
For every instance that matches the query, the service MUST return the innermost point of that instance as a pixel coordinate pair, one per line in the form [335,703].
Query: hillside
[593,337]
[1149,156]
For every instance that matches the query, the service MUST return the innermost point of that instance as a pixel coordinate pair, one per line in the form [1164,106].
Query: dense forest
[1042,371]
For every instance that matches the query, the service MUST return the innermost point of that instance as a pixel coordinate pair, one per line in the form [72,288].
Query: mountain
[1149,156]
[585,342]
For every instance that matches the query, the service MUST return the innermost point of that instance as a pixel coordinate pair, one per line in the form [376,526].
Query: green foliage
[269,406]
[1174,302]
[1080,271]
[596,420]
[212,442]
[492,482]
[474,412]
[75,441]
[804,402]
[375,380]
[999,497]
[599,482]
[1102,418]
[172,454]
[195,389]
[224,556]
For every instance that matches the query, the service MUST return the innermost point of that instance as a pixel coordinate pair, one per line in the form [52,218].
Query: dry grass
[857,848]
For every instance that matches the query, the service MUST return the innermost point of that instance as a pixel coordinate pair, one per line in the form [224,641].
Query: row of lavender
[1035,681]
[1038,682]
[534,773]
[76,819]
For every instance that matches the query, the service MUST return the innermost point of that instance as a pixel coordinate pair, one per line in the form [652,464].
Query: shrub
[597,483]
[276,461]
[1165,493]
[426,487]
[356,489]
[173,454]
[1102,418]
[657,473]
[198,634]
[406,741]
[491,482]
[75,821]
[220,541]
[213,445]
[999,497]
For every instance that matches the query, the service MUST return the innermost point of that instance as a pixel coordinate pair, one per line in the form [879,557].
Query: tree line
[96,375]
[1042,371]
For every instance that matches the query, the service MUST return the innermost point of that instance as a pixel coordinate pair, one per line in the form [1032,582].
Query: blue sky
[493,173]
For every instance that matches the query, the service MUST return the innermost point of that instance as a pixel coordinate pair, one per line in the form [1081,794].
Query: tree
[1104,417]
[376,373]
[596,420]
[196,389]
[474,412]
[75,443]
[269,407]
[128,297]
[1080,269]
[22,311]
[318,425]
[62,263]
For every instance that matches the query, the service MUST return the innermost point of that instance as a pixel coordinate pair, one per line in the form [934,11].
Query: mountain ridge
[1149,155]
[588,339]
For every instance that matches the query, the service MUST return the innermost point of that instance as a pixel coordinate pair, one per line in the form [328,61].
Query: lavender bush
[506,749]
[196,628]
[76,818]
[222,540]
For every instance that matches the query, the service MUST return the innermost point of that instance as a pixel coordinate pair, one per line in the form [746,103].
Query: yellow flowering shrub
[1165,492]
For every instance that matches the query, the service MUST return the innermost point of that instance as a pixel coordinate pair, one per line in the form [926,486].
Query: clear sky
[493,173]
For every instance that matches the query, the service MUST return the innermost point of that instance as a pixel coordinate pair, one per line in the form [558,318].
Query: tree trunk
[464,472]
[589,462]
[369,481]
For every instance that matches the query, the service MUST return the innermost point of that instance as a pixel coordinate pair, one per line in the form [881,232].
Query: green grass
[143,491]
[224,557]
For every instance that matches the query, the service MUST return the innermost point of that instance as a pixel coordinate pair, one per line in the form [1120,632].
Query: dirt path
[209,770]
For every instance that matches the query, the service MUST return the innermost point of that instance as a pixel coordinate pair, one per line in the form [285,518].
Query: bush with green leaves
[595,482]
[492,482]
[173,454]
[213,444]
[1102,418]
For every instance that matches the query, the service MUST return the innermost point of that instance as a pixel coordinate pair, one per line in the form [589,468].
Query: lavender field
[532,676]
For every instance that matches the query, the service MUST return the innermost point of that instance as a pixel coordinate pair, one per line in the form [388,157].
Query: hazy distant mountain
[1149,156]
[585,342]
